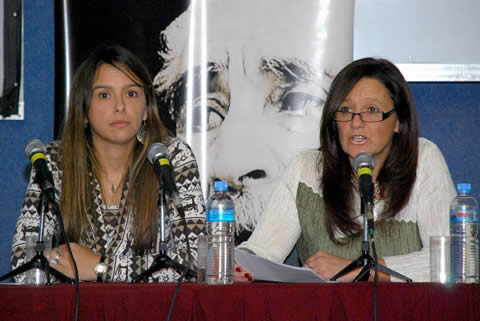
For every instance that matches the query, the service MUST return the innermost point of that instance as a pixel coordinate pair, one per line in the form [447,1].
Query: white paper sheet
[265,270]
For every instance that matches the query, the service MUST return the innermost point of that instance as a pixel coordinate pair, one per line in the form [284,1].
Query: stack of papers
[265,270]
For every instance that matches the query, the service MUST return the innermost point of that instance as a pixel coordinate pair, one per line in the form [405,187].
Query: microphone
[363,164]
[35,152]
[157,155]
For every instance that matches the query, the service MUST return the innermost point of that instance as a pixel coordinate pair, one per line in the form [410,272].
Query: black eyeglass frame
[385,115]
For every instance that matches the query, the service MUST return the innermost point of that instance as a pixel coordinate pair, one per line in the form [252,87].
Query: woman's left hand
[85,258]
[327,265]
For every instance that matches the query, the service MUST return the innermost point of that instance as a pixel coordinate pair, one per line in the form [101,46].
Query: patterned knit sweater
[110,231]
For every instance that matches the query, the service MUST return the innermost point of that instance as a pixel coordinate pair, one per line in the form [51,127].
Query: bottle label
[464,216]
[220,215]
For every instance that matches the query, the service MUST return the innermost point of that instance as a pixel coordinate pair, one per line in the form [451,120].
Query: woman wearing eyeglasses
[369,109]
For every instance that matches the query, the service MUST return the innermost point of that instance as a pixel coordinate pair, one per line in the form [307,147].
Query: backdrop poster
[242,82]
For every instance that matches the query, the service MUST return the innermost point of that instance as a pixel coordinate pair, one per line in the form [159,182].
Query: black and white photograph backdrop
[242,82]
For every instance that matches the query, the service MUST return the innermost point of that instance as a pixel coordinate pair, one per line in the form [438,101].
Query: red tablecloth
[257,301]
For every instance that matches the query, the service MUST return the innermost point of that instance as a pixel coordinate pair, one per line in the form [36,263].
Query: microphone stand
[162,260]
[365,259]
[39,261]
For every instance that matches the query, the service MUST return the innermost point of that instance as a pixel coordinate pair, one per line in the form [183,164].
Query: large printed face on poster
[245,82]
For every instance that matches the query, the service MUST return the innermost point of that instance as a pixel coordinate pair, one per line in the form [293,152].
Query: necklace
[116,186]
[376,189]
[110,196]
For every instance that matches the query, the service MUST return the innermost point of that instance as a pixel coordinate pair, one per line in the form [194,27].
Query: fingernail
[238,269]
[250,278]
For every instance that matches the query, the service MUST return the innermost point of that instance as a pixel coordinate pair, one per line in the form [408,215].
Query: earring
[142,131]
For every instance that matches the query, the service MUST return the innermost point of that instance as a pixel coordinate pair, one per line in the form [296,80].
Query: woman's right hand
[242,275]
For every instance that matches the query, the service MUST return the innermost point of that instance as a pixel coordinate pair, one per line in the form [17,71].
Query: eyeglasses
[366,116]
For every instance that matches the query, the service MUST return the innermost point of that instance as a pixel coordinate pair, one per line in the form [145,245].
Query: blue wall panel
[449,115]
[38,121]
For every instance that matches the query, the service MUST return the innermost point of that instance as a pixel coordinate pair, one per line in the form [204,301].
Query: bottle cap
[220,186]
[464,188]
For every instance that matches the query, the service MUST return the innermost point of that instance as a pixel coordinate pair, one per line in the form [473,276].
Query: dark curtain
[12,47]
[80,26]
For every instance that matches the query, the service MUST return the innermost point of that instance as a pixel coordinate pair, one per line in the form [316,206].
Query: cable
[177,288]
[375,279]
[181,212]
[371,223]
[65,237]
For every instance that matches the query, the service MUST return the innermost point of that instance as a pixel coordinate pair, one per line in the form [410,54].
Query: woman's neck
[113,161]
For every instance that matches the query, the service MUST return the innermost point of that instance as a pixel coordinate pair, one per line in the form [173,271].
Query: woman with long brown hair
[369,109]
[107,190]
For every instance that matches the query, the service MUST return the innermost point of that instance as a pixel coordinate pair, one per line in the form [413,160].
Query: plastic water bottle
[464,229]
[221,236]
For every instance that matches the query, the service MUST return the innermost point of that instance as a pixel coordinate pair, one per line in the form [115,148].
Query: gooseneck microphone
[157,155]
[363,164]
[35,152]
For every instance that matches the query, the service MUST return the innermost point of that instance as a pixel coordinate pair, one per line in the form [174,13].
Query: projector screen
[429,40]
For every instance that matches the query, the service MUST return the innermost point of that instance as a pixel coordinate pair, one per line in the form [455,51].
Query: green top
[392,237]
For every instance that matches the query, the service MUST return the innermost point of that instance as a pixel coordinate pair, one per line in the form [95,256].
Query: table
[256,301]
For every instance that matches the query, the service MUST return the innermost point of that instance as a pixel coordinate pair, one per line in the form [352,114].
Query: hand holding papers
[265,270]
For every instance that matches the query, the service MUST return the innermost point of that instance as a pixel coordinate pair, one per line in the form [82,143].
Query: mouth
[358,139]
[120,123]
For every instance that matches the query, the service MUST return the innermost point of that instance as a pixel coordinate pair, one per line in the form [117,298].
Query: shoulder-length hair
[78,157]
[397,176]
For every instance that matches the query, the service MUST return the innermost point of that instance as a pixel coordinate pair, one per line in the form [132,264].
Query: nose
[356,121]
[120,105]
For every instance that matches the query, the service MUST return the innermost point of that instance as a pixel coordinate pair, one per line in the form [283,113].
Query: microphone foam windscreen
[155,150]
[34,146]
[363,160]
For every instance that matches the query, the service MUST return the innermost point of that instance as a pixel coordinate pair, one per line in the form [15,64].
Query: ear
[145,114]
[397,126]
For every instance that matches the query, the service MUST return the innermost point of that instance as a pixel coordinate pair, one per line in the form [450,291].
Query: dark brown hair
[397,176]
[78,157]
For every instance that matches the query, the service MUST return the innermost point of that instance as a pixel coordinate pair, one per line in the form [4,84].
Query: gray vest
[392,237]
